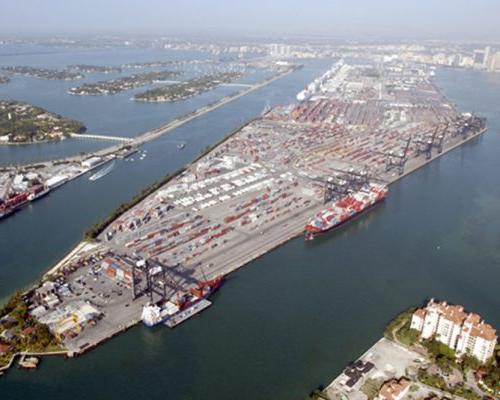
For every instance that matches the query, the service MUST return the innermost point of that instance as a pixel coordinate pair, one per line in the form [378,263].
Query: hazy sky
[473,19]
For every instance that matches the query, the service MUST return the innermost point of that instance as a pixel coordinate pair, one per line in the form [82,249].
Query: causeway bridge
[101,137]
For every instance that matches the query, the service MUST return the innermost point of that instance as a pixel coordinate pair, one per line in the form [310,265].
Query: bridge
[101,137]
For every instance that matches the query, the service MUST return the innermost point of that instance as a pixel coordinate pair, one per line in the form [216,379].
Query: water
[107,115]
[294,318]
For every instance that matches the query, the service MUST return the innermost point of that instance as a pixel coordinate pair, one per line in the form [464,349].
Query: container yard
[354,131]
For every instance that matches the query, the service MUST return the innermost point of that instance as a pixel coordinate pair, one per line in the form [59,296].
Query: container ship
[182,305]
[346,208]
[17,200]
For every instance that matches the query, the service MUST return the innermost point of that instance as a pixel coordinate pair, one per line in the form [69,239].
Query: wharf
[417,164]
[189,312]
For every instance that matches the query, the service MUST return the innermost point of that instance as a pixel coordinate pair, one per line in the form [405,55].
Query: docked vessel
[182,305]
[16,201]
[127,153]
[37,192]
[346,208]
[13,202]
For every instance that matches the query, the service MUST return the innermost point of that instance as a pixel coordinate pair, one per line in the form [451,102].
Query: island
[44,73]
[121,84]
[24,123]
[151,64]
[439,351]
[90,69]
[183,90]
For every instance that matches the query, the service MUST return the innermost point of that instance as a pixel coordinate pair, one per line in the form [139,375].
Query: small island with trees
[121,84]
[183,90]
[25,123]
[52,74]
[92,69]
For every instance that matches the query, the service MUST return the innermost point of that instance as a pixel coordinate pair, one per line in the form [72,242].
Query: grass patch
[371,387]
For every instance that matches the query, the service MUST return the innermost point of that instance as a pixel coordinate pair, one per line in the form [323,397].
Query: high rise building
[478,59]
[463,332]
[494,64]
[486,60]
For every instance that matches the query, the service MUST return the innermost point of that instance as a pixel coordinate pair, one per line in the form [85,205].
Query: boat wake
[102,172]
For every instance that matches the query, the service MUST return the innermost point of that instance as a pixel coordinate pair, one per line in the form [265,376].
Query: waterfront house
[4,348]
[394,389]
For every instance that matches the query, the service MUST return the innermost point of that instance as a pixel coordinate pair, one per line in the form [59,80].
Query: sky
[439,19]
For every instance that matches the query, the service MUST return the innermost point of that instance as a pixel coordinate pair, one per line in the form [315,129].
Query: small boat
[266,109]
[180,146]
[128,153]
[102,172]
[29,362]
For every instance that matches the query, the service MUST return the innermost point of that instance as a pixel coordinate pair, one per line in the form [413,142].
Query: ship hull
[311,234]
[345,210]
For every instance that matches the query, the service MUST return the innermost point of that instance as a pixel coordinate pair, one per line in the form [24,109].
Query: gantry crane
[397,161]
